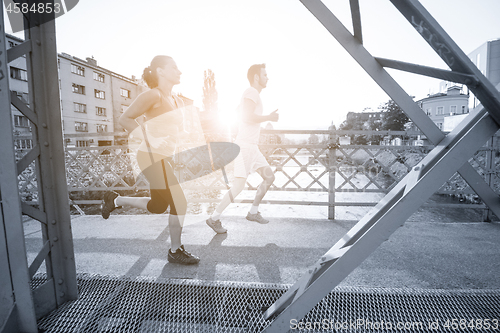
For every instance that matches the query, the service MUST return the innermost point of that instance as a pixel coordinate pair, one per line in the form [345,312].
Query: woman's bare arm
[139,106]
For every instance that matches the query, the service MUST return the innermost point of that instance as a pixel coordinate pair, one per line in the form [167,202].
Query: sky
[313,81]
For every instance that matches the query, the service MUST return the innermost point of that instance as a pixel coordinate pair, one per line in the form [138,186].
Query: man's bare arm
[250,116]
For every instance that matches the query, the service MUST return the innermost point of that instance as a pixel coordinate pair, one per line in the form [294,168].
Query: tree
[393,117]
[313,139]
[352,123]
[356,122]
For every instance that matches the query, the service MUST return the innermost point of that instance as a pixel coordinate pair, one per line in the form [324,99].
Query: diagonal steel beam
[356,20]
[374,69]
[379,224]
[19,50]
[451,152]
[449,51]
[396,92]
[428,71]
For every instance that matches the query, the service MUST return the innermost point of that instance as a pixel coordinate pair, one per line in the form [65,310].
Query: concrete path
[430,255]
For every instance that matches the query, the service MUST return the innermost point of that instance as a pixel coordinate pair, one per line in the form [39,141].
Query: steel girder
[47,159]
[450,155]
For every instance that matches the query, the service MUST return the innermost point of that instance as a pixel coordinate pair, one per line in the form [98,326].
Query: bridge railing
[318,170]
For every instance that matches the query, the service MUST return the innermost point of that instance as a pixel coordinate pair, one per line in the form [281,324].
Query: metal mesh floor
[112,304]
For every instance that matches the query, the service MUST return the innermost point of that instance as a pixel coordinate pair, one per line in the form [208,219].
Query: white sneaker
[257,218]
[216,226]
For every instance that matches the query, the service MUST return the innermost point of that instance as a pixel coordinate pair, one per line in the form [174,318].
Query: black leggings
[161,177]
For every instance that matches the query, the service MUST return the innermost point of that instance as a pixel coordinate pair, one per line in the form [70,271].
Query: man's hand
[274,116]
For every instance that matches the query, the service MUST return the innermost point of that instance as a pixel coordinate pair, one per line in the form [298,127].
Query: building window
[440,110]
[79,107]
[81,126]
[78,70]
[102,128]
[22,95]
[100,111]
[125,93]
[21,121]
[98,77]
[99,94]
[82,143]
[18,74]
[463,109]
[23,144]
[429,111]
[78,89]
[453,109]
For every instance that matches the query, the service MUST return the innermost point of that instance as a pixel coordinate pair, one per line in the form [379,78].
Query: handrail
[324,167]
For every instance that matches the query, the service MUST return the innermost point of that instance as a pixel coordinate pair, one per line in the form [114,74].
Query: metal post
[52,184]
[17,312]
[332,165]
[47,154]
[489,168]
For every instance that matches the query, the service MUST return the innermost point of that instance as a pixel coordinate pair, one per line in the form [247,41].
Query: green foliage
[352,124]
[393,119]
[313,139]
[357,122]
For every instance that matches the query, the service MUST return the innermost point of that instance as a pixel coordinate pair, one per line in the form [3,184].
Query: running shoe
[256,218]
[183,257]
[108,203]
[216,226]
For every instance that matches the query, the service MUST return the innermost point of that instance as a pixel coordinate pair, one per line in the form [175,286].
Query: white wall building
[449,107]
[487,58]
[86,101]
[441,105]
[92,100]
[18,83]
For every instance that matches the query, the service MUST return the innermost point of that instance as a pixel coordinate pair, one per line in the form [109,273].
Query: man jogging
[250,159]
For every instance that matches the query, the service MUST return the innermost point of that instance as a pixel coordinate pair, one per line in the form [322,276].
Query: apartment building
[441,105]
[86,101]
[92,100]
[18,83]
[487,58]
[454,101]
[364,116]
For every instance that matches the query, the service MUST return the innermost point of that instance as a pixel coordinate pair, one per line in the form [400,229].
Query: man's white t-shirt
[249,132]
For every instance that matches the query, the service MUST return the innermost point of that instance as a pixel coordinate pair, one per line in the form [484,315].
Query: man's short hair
[254,69]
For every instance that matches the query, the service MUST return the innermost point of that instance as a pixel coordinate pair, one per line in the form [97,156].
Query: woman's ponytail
[150,75]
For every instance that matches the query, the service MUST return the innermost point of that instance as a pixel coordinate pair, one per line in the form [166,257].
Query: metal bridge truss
[21,301]
[451,153]
[21,306]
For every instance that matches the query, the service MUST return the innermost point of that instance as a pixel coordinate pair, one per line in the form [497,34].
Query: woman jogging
[158,134]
